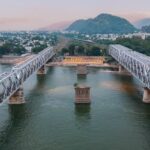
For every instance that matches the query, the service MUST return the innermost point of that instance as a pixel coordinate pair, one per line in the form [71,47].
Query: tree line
[11,48]
[137,44]
[82,50]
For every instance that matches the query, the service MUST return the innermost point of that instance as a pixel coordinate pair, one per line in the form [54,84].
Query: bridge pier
[17,98]
[42,70]
[82,95]
[121,68]
[146,95]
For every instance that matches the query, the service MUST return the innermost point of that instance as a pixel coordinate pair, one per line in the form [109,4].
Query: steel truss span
[11,81]
[136,63]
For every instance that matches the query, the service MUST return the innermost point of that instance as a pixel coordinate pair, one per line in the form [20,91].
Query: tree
[94,51]
[38,48]
[64,50]
[19,50]
[80,50]
[71,49]
[11,48]
[137,44]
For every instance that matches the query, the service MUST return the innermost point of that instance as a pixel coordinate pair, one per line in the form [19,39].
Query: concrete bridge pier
[42,70]
[17,97]
[82,95]
[146,95]
[121,68]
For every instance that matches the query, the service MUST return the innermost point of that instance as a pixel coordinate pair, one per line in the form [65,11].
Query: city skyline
[35,14]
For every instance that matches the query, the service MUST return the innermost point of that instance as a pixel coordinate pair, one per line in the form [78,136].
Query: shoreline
[13,60]
[87,64]
[113,68]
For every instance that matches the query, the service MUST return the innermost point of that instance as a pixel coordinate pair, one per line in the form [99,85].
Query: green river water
[116,119]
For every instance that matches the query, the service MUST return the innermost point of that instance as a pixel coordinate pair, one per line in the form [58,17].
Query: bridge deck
[10,82]
[136,63]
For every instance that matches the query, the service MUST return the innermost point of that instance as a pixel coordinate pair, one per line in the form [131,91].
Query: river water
[116,119]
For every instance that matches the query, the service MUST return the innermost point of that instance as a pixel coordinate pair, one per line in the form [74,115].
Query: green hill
[102,24]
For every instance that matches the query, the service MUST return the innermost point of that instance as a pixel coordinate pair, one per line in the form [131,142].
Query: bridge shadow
[19,115]
[82,112]
[18,112]
[41,80]
[139,111]
[133,106]
[133,89]
[129,84]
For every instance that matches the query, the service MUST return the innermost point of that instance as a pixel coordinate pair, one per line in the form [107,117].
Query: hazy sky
[32,14]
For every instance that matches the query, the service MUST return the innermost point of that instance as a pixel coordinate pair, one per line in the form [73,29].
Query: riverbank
[108,66]
[13,60]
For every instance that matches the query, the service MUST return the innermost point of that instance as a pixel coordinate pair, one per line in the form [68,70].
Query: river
[116,119]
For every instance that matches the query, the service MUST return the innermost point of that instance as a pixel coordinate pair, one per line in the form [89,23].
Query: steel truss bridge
[10,82]
[136,63]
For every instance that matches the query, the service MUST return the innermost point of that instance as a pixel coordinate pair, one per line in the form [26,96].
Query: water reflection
[18,112]
[122,87]
[81,79]
[93,70]
[50,70]
[17,115]
[5,127]
[82,112]
[49,120]
[41,80]
[130,85]
[5,68]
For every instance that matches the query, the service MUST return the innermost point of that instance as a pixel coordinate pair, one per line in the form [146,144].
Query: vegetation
[11,48]
[38,48]
[137,44]
[103,24]
[82,49]
[101,46]
[94,51]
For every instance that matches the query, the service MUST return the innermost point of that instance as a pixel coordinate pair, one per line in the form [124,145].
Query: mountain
[144,22]
[146,29]
[57,26]
[102,24]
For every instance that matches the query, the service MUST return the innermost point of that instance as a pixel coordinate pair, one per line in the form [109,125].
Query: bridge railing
[10,82]
[136,63]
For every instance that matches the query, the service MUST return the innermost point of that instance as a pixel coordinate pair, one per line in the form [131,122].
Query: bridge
[11,83]
[136,63]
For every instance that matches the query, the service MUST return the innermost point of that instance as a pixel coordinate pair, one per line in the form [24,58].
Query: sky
[35,14]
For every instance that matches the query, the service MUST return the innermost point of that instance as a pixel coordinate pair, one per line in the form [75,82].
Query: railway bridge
[136,63]
[11,83]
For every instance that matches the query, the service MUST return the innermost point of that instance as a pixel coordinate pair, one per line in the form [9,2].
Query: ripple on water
[115,120]
[118,86]
[59,90]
